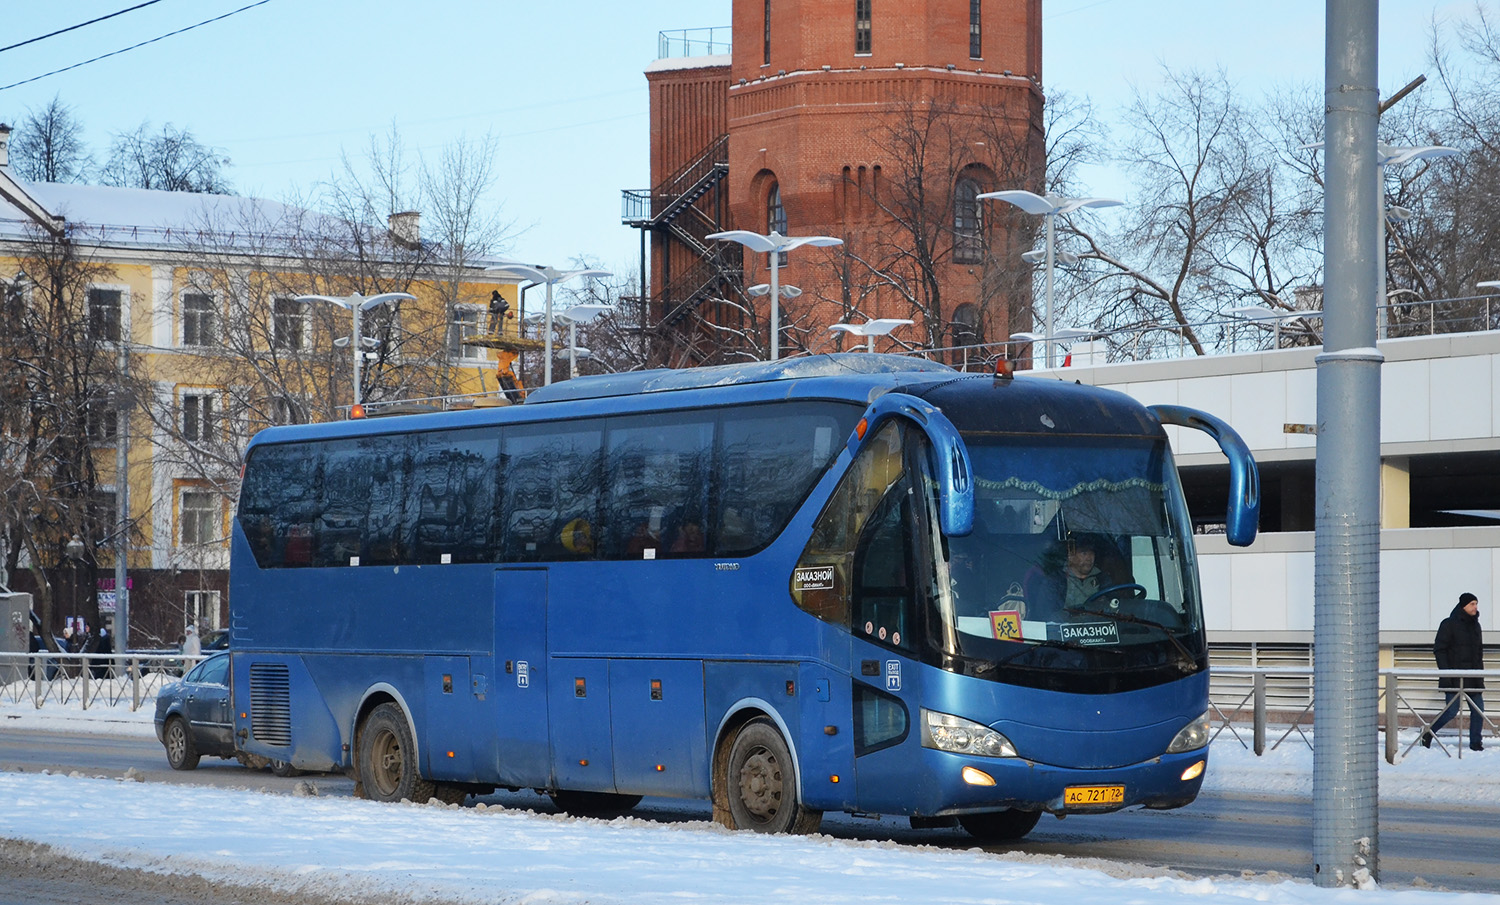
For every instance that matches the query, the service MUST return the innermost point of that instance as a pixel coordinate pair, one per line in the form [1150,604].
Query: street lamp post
[880,326]
[549,276]
[580,314]
[73,550]
[774,244]
[1049,206]
[357,305]
[1387,156]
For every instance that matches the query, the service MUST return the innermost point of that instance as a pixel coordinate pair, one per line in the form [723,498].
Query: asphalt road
[1217,835]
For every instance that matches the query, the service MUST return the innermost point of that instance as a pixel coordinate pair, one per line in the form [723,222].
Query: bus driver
[1066,578]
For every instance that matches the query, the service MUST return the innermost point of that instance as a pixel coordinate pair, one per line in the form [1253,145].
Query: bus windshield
[1079,560]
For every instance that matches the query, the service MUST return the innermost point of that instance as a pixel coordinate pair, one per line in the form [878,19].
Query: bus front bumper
[975,784]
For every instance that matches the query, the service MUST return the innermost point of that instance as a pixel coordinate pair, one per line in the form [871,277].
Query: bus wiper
[1185,660]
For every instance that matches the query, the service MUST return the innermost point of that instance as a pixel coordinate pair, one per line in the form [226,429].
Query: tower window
[862,26]
[776,215]
[766,55]
[968,227]
[975,47]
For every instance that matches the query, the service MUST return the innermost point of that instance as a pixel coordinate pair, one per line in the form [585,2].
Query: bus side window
[821,581]
[551,490]
[658,470]
[452,496]
[278,501]
[770,457]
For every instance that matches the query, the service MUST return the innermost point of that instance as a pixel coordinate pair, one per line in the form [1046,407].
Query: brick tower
[874,121]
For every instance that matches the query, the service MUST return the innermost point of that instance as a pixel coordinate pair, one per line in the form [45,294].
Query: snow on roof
[155,219]
[704,62]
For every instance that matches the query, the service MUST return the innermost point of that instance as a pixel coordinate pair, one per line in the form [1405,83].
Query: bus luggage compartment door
[660,743]
[579,695]
[457,688]
[519,698]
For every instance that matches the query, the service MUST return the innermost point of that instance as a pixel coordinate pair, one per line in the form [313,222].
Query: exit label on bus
[1093,796]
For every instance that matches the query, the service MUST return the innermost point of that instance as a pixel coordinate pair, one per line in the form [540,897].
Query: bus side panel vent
[271,704]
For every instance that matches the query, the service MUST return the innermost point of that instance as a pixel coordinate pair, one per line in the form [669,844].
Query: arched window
[775,214]
[967,335]
[968,226]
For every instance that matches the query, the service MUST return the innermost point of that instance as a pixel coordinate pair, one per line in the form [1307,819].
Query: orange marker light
[450,753]
[861,427]
[833,779]
[660,768]
[356,411]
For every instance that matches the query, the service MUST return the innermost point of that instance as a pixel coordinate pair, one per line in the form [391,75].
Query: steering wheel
[1126,591]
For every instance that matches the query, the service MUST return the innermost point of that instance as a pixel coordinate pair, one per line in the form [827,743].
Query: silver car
[193,719]
[192,715]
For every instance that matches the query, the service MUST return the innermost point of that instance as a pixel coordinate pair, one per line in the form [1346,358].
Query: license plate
[1093,796]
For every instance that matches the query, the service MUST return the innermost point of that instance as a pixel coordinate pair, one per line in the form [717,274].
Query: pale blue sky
[283,87]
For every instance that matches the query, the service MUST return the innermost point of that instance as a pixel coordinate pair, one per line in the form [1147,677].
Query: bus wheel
[284,768]
[387,758]
[182,754]
[761,784]
[606,805]
[1000,826]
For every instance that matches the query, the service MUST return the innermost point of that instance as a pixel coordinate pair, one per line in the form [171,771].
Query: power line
[133,46]
[78,26]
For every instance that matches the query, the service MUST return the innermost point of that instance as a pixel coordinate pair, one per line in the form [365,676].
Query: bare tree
[58,342]
[171,160]
[1226,214]
[48,145]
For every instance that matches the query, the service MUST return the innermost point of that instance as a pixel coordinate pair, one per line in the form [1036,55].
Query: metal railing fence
[88,679]
[1409,699]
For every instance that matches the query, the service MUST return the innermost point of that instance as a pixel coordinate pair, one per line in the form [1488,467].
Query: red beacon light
[1004,369]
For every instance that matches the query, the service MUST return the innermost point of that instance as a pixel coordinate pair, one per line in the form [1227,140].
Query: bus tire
[760,784]
[284,768]
[182,754]
[605,805]
[999,826]
[388,769]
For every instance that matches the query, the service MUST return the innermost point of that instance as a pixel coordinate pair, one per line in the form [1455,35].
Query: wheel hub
[760,784]
[388,762]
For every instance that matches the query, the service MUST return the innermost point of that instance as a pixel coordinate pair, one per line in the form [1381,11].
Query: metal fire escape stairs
[672,211]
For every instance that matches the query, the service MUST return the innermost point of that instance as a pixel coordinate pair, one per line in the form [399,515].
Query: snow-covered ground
[484,854]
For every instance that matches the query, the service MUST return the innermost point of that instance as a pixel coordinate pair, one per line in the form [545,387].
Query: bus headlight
[1193,735]
[946,732]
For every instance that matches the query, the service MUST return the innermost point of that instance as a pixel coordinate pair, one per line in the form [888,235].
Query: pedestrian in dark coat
[1460,645]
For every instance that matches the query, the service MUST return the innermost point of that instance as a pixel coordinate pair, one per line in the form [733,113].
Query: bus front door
[886,710]
[520,686]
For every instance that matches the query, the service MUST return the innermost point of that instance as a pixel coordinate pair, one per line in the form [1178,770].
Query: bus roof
[630,383]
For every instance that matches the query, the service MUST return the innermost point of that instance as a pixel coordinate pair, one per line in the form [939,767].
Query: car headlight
[946,732]
[1193,735]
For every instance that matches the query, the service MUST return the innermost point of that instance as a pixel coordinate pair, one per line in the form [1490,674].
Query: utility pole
[122,507]
[1346,558]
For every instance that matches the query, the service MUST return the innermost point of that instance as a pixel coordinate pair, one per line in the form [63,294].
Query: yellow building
[186,311]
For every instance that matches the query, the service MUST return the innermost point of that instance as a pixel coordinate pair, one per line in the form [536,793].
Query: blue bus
[855,582]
